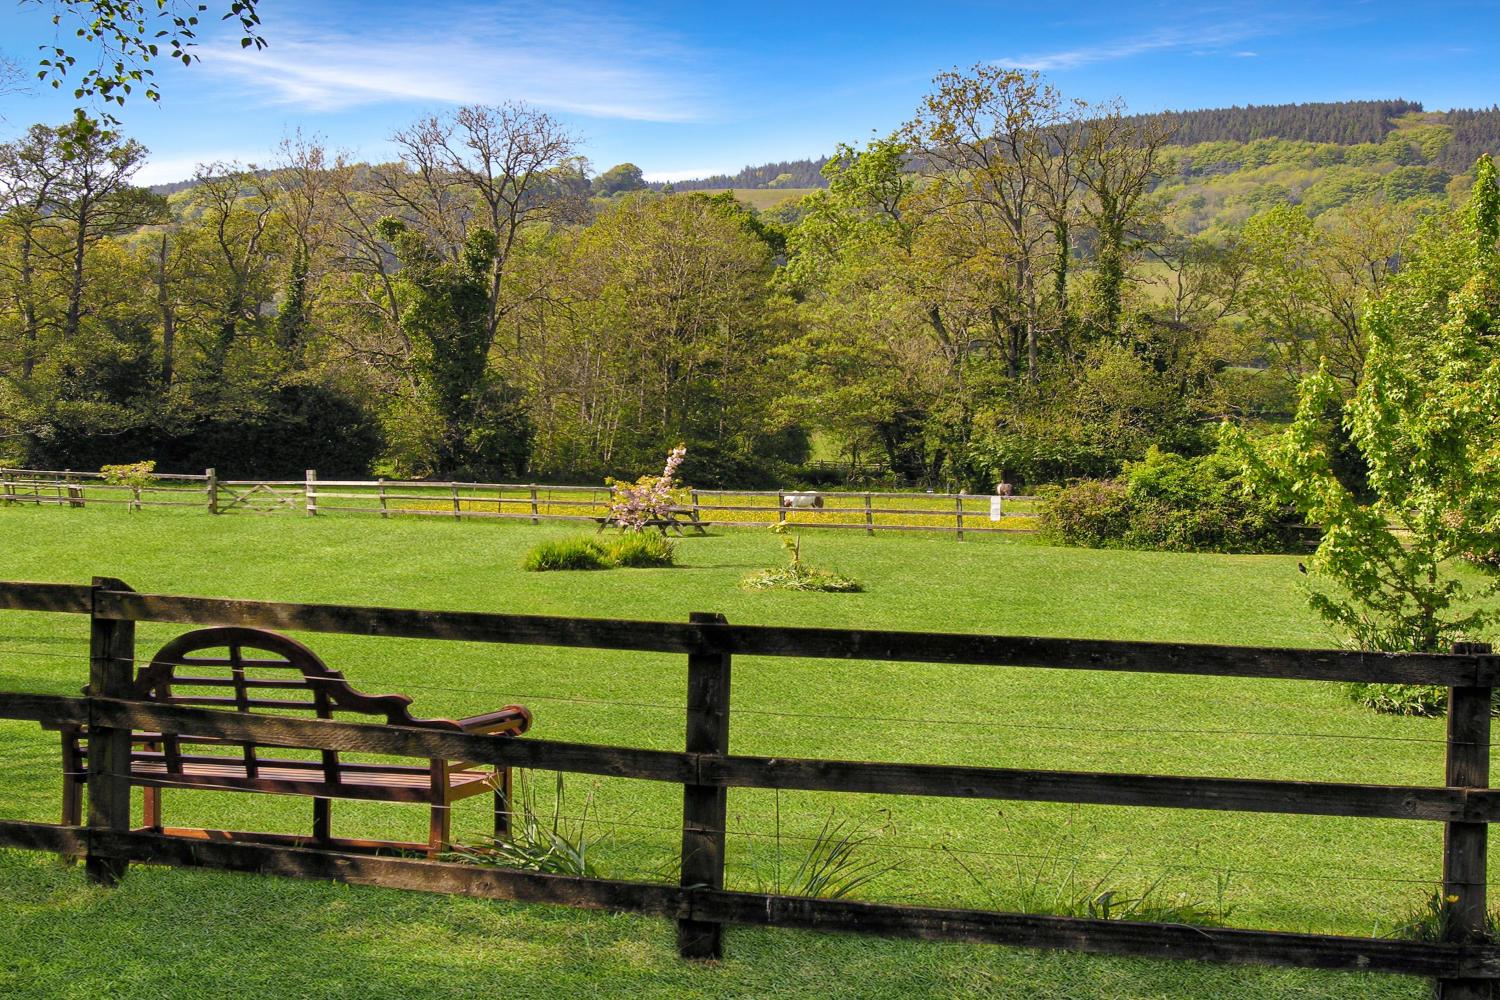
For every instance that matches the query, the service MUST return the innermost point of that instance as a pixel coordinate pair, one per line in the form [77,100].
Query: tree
[1307,283]
[1425,419]
[480,431]
[984,139]
[129,35]
[619,179]
[1118,168]
[95,199]
[31,169]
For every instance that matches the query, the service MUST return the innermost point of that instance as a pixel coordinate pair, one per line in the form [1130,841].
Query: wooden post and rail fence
[1465,963]
[867,511]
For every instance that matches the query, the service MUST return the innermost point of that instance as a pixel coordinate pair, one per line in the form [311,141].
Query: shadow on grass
[188,934]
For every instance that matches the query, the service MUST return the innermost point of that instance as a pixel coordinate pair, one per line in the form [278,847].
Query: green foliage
[619,179]
[798,575]
[1424,421]
[129,35]
[835,865]
[1401,699]
[137,476]
[1170,503]
[1405,183]
[641,550]
[559,844]
[481,432]
[1093,513]
[632,550]
[1432,920]
[581,552]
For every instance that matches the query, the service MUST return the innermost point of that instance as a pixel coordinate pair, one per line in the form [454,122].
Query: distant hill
[786,174]
[1342,123]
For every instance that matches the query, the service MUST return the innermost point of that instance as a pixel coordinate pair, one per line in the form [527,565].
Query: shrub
[798,575]
[801,576]
[136,476]
[1401,699]
[1094,513]
[642,550]
[1173,504]
[634,551]
[566,553]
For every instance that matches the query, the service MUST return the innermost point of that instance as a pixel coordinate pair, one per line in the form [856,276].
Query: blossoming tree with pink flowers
[650,499]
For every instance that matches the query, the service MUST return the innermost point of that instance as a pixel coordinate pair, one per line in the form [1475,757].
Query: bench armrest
[513,719]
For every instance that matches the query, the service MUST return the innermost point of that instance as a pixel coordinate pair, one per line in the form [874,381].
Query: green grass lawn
[188,934]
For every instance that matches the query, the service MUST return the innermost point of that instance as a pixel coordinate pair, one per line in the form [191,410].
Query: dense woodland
[1011,285]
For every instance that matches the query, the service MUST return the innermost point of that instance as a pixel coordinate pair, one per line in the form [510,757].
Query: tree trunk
[168,315]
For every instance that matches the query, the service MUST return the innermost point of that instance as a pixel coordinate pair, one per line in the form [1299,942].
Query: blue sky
[686,89]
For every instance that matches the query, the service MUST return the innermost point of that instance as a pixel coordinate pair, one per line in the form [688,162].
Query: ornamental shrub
[642,550]
[566,553]
[1172,504]
[634,550]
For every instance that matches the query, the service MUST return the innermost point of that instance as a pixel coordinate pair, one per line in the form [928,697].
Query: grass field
[170,933]
[764,198]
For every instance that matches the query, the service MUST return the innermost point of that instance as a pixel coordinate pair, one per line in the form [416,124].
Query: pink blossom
[650,498]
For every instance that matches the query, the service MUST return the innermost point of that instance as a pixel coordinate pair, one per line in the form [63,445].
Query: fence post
[958,512]
[533,505]
[780,507]
[704,807]
[456,510]
[111,675]
[10,487]
[696,514]
[1465,844]
[310,492]
[384,512]
[211,476]
[869,516]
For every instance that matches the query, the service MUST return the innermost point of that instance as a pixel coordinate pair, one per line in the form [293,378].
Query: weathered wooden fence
[1465,964]
[959,513]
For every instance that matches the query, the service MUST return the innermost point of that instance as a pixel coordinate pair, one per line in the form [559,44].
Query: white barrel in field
[997,508]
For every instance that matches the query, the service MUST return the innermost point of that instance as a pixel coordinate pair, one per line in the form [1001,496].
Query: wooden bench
[672,522]
[254,670]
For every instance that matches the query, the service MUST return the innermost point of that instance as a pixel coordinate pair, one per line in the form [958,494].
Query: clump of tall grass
[554,844]
[1431,921]
[1053,884]
[633,550]
[642,550]
[838,861]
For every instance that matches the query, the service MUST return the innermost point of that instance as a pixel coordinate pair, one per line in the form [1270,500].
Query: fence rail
[1465,964]
[868,511]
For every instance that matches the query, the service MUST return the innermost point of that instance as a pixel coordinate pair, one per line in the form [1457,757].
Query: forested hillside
[1339,123]
[959,302]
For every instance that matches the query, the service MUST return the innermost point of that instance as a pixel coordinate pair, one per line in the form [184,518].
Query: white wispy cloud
[553,55]
[1160,40]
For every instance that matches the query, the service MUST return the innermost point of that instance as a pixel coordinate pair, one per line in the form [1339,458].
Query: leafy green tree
[481,431]
[619,179]
[1425,419]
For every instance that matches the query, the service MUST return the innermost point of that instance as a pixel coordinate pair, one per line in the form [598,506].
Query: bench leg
[151,808]
[503,807]
[439,831]
[322,820]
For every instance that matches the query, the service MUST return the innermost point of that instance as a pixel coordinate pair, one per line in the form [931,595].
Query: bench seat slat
[384,785]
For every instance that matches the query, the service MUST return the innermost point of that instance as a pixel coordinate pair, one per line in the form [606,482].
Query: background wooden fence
[1465,964]
[959,513]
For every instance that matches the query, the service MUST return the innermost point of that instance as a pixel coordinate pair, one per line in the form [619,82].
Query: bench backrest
[255,670]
